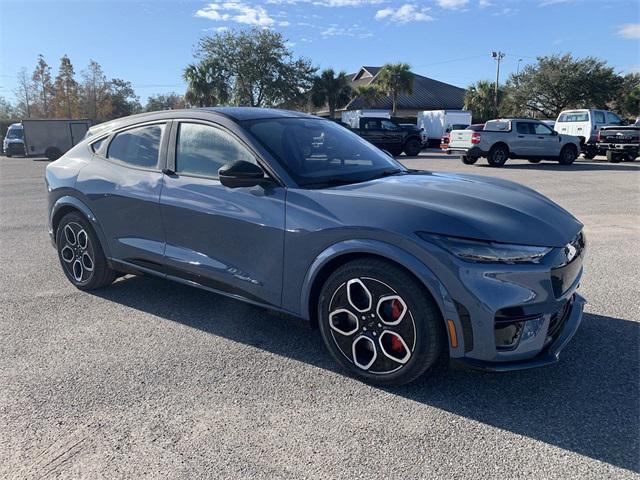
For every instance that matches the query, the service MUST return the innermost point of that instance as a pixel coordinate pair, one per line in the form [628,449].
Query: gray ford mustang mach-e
[295,213]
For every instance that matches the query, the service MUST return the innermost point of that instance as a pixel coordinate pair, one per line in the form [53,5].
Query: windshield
[316,152]
[14,133]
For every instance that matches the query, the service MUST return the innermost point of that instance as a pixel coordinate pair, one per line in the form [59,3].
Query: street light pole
[497,56]
[518,69]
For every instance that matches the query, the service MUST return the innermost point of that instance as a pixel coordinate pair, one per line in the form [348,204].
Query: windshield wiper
[385,173]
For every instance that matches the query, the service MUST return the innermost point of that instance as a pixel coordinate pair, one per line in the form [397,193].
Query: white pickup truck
[507,138]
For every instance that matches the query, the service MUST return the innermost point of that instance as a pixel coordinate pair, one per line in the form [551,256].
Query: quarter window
[138,147]
[95,146]
[202,150]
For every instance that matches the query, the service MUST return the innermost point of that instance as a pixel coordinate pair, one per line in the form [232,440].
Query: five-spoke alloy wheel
[379,322]
[80,253]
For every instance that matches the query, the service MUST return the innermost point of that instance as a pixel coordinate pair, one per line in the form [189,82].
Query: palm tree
[369,94]
[480,99]
[330,90]
[394,79]
[204,88]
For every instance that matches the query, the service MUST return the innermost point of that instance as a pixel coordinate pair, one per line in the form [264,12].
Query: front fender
[385,250]
[68,201]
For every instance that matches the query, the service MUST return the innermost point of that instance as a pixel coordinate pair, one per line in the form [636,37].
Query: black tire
[568,155]
[8,155]
[498,155]
[469,160]
[412,147]
[589,155]
[72,255]
[613,157]
[419,333]
[630,157]
[52,153]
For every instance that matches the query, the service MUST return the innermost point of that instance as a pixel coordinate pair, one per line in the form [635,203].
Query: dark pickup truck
[621,143]
[390,136]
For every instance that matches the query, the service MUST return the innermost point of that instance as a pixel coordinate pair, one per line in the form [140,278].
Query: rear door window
[598,116]
[137,147]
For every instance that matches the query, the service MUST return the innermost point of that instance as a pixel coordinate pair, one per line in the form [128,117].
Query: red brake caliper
[396,311]
[396,344]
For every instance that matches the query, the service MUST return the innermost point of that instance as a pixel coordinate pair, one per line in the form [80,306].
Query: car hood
[468,206]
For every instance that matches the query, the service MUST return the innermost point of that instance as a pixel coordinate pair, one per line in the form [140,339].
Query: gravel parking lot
[150,379]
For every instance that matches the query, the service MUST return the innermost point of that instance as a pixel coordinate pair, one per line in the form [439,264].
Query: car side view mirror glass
[241,173]
[554,133]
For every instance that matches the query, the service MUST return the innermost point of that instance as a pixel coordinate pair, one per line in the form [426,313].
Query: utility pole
[497,56]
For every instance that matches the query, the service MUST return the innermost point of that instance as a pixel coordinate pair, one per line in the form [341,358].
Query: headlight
[488,252]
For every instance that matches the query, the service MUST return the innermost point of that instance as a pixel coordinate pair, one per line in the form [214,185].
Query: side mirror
[554,133]
[241,174]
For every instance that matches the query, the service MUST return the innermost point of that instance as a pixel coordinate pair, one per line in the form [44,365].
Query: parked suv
[585,124]
[507,138]
[298,214]
[390,136]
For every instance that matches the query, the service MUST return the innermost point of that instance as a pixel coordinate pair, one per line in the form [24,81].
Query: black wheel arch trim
[385,251]
[67,203]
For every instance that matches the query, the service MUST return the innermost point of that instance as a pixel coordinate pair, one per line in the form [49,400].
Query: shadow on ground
[576,167]
[588,403]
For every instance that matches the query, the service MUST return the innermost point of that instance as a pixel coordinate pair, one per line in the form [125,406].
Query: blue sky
[149,43]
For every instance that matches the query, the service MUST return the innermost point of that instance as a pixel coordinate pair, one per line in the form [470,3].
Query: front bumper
[14,148]
[548,356]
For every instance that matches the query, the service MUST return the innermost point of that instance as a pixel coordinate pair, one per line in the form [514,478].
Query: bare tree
[24,94]
[95,92]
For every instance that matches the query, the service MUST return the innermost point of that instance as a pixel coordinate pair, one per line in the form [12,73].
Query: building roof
[427,94]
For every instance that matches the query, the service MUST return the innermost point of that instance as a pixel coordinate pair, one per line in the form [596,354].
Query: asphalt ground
[151,379]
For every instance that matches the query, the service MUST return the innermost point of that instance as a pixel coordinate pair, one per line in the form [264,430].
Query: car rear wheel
[613,157]
[568,155]
[469,160]
[81,255]
[379,323]
[498,155]
[412,147]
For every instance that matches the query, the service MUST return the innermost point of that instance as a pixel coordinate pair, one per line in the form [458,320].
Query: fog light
[508,335]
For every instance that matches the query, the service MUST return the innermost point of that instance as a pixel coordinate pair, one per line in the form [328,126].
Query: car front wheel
[469,159]
[81,255]
[412,147]
[379,323]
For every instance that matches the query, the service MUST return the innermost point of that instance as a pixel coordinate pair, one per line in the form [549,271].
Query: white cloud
[484,3]
[336,31]
[404,14]
[237,12]
[504,11]
[545,3]
[630,31]
[452,4]
[284,23]
[328,3]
